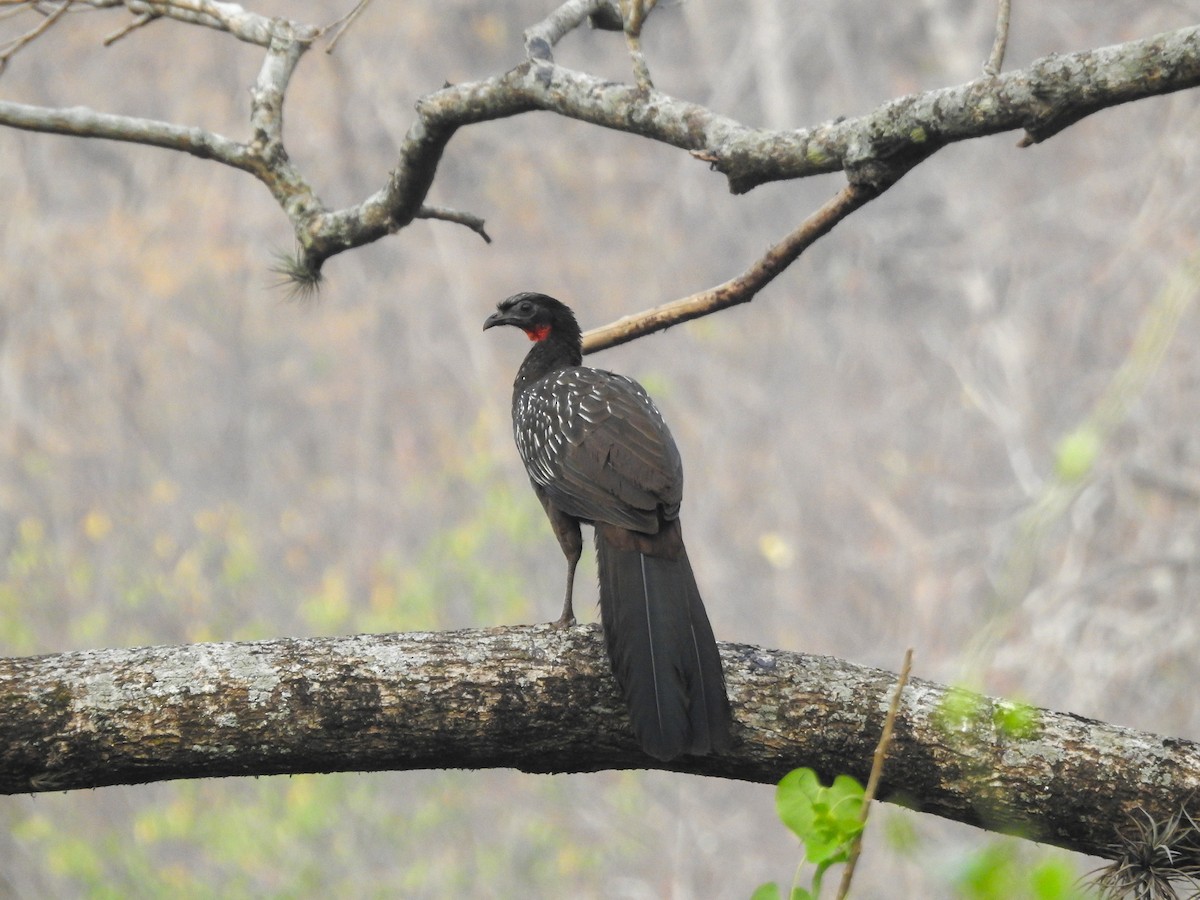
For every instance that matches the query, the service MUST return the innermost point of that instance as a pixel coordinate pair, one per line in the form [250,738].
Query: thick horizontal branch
[542,700]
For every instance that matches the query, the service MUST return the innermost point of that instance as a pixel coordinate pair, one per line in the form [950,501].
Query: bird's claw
[563,621]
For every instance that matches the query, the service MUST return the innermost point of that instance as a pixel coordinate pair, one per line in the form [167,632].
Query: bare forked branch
[874,149]
[9,49]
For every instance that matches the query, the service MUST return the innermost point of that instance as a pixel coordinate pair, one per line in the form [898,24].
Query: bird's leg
[566,529]
[567,619]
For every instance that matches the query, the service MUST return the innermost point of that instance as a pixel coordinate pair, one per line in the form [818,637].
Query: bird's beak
[496,318]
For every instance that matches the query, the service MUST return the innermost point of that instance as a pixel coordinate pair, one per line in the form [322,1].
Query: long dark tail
[660,643]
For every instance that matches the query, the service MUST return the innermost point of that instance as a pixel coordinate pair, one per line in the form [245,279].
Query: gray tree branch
[744,287]
[873,149]
[542,700]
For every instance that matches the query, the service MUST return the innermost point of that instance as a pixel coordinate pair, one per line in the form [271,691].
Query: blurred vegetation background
[939,429]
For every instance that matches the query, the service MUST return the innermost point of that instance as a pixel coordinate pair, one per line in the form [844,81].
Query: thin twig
[881,750]
[995,60]
[343,23]
[634,13]
[33,34]
[740,289]
[15,7]
[475,223]
[134,24]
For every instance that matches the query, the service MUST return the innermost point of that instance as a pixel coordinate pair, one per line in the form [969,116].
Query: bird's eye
[525,307]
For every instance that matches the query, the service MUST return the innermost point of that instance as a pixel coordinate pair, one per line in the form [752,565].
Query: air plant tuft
[1154,859]
[303,282]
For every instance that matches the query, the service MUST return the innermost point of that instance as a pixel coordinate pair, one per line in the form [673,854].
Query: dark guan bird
[598,452]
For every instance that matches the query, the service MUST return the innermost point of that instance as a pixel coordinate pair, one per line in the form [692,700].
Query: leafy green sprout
[826,820]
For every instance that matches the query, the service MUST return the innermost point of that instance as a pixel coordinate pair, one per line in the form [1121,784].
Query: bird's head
[537,315]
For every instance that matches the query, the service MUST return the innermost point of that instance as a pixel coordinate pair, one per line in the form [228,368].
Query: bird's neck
[554,352]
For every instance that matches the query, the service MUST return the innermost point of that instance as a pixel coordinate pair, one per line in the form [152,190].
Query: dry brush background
[870,446]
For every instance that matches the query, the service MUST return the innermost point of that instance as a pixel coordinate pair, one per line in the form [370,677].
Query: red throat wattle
[538,332]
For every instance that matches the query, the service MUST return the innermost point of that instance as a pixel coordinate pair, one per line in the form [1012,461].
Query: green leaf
[768,891]
[826,819]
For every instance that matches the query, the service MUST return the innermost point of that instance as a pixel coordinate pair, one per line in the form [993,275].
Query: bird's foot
[566,620]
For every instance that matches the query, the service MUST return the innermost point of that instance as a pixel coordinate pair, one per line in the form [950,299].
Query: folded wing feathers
[599,439]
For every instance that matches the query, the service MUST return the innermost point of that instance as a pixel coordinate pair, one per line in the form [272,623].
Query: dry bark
[542,700]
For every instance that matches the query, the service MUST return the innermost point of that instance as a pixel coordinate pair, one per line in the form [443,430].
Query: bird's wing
[601,450]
